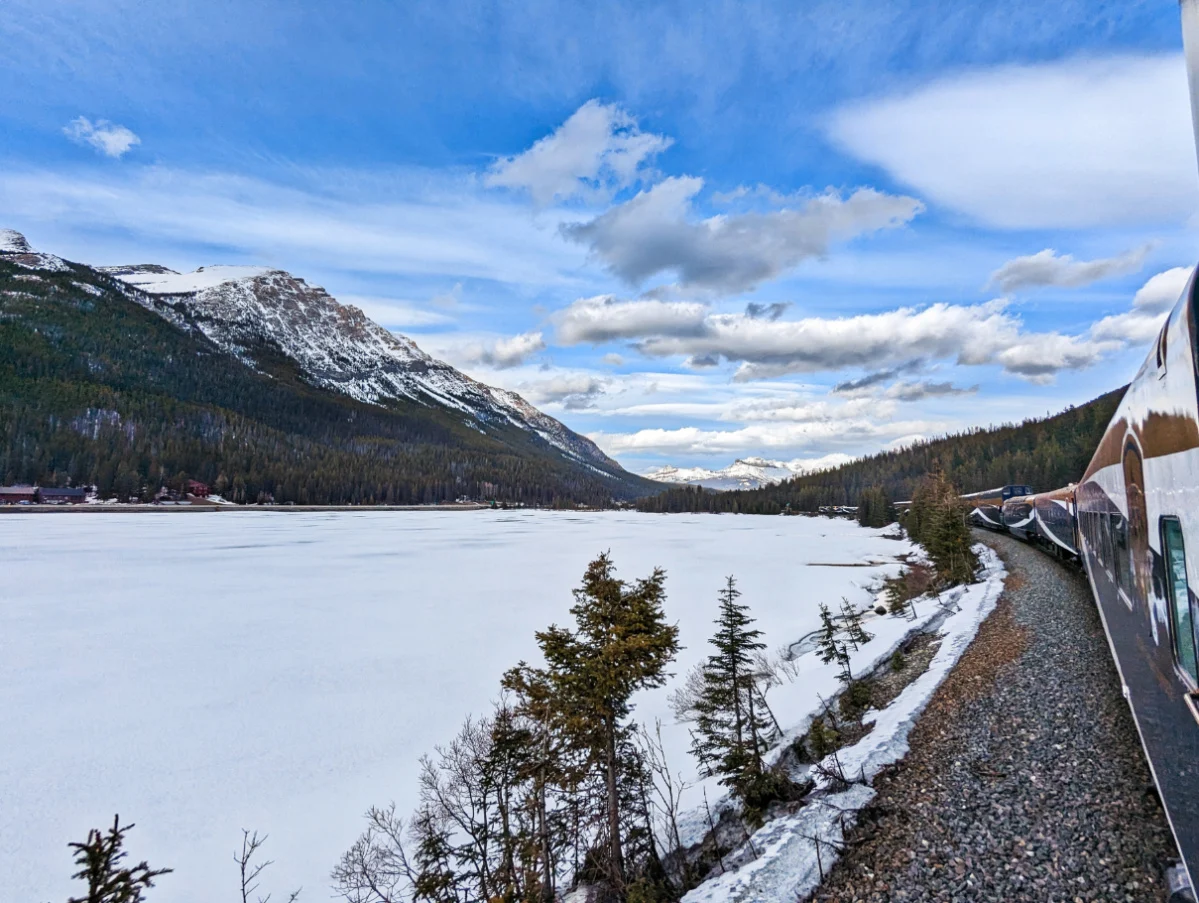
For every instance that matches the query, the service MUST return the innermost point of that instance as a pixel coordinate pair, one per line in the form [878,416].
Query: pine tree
[841,651]
[99,860]
[622,644]
[853,625]
[937,521]
[826,641]
[730,728]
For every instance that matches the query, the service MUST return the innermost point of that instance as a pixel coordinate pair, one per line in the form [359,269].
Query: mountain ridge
[745,473]
[336,344]
[300,373]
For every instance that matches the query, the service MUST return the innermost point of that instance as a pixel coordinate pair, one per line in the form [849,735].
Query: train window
[1182,618]
[1123,556]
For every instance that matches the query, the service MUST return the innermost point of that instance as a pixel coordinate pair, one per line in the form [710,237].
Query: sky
[693,231]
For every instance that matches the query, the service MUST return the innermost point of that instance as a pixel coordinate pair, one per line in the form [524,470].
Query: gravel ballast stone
[1025,780]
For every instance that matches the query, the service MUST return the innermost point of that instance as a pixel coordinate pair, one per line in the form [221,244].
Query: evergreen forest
[1044,453]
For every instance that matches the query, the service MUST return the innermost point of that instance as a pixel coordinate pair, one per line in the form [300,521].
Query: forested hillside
[96,389]
[1043,453]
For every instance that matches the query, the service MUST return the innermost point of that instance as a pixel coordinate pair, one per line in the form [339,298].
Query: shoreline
[197,508]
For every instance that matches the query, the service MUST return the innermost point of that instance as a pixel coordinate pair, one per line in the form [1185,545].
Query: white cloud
[767,349]
[1134,327]
[1162,291]
[1039,356]
[613,360]
[1074,143]
[1150,306]
[869,388]
[108,138]
[598,150]
[917,390]
[800,410]
[410,222]
[894,340]
[759,437]
[505,353]
[606,318]
[656,233]
[574,391]
[394,314]
[1050,268]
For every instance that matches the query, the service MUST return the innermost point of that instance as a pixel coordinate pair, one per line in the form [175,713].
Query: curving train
[1132,522]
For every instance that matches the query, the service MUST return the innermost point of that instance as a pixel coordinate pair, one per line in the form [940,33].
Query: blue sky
[694,231]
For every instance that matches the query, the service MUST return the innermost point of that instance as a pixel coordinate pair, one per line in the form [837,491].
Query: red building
[14,495]
[198,489]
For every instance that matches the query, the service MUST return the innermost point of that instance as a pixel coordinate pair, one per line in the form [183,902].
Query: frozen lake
[201,673]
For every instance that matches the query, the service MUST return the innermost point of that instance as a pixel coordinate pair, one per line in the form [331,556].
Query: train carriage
[1018,517]
[1054,521]
[987,506]
[1138,526]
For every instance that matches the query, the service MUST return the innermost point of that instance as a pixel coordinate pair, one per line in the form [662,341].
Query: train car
[987,506]
[1019,517]
[1054,514]
[1138,528]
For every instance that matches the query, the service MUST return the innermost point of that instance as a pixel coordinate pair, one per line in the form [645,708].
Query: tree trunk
[753,729]
[737,701]
[614,844]
[547,869]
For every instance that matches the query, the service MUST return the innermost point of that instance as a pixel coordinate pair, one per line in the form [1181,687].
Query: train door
[1182,614]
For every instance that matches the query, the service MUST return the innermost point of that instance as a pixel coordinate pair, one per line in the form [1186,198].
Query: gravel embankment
[1025,780]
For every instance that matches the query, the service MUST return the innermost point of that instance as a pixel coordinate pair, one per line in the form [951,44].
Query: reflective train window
[1182,617]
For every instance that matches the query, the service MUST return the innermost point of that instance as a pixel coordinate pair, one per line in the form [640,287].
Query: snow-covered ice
[281,671]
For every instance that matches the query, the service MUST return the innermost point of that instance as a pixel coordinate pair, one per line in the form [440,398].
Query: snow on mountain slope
[746,473]
[158,280]
[16,249]
[336,345]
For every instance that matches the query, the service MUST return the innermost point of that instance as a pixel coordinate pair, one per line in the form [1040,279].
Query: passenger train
[1132,523]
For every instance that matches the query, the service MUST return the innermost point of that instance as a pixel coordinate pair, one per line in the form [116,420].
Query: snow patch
[745,473]
[13,242]
[161,281]
[787,866]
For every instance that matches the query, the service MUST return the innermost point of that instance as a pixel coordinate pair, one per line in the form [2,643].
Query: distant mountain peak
[13,242]
[16,249]
[745,473]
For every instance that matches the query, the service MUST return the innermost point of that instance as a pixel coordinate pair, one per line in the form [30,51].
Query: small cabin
[198,489]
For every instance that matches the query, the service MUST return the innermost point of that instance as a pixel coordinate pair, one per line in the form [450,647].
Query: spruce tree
[853,625]
[730,728]
[826,641]
[99,860]
[622,644]
[434,881]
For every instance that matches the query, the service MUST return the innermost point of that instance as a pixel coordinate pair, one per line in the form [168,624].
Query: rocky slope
[335,345]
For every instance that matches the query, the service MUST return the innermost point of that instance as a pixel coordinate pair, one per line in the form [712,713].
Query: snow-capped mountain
[16,249]
[746,473]
[335,345]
